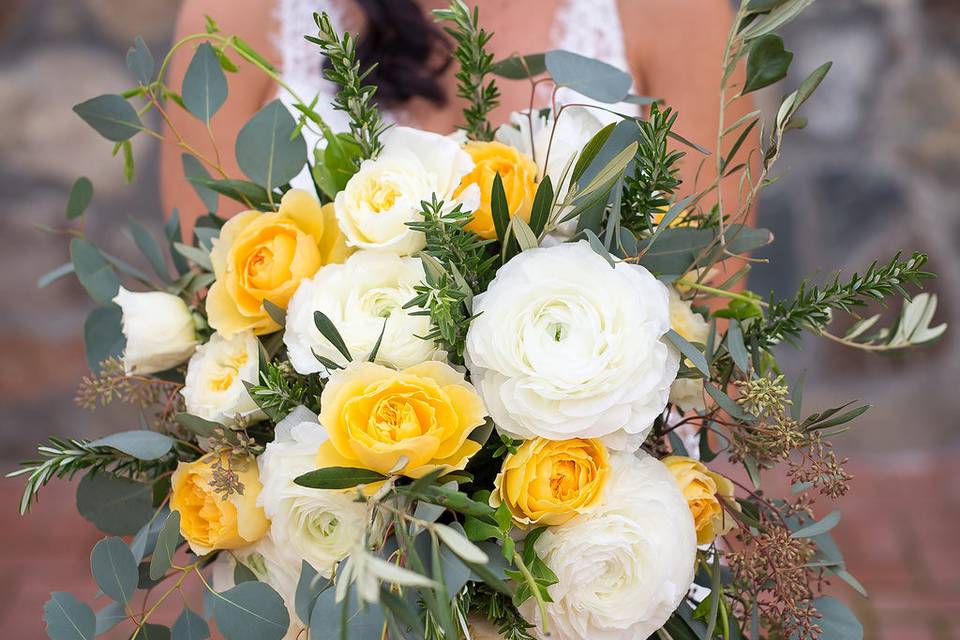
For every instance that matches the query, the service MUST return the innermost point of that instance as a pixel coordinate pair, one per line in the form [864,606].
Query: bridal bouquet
[501,383]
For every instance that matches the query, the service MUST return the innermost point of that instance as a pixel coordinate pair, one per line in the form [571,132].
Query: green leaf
[725,403]
[590,151]
[192,169]
[200,426]
[140,61]
[114,569]
[143,445]
[778,17]
[103,335]
[265,151]
[67,618]
[338,478]
[738,351]
[195,255]
[460,545]
[329,331]
[166,547]
[678,248]
[250,611]
[520,67]
[597,245]
[524,235]
[150,249]
[172,232]
[109,617]
[542,203]
[767,63]
[93,271]
[691,352]
[112,117]
[243,573]
[248,193]
[838,622]
[823,525]
[277,314]
[204,84]
[80,196]
[309,587]
[190,626]
[499,209]
[590,77]
[117,506]
[250,53]
[331,620]
[151,631]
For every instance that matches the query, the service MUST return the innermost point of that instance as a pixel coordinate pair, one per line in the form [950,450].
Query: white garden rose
[268,562]
[626,566]
[316,525]
[531,135]
[214,388]
[385,194]
[159,330]
[687,393]
[358,296]
[565,346]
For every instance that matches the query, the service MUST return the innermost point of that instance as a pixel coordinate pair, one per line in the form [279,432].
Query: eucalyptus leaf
[195,255]
[520,67]
[151,631]
[109,617]
[193,170]
[264,149]
[81,193]
[117,506]
[823,525]
[112,117]
[328,621]
[67,618]
[838,622]
[243,573]
[145,541]
[93,271]
[738,351]
[200,426]
[143,445]
[189,625]
[251,611]
[114,569]
[103,335]
[248,193]
[140,61]
[309,587]
[150,249]
[689,350]
[592,78]
[204,84]
[166,547]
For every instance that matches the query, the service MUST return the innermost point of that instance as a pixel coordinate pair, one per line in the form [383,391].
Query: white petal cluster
[159,330]
[316,525]
[385,194]
[214,388]
[358,296]
[625,567]
[565,346]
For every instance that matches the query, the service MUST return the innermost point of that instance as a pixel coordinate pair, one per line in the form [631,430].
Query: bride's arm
[249,90]
[675,48]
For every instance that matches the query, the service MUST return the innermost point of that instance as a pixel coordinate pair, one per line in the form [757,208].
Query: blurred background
[875,171]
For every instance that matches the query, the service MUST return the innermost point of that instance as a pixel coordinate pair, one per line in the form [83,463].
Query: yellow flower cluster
[703,490]
[518,173]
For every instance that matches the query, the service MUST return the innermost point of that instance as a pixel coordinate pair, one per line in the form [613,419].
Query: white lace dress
[589,27]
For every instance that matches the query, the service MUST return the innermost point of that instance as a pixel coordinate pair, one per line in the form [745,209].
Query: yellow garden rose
[550,481]
[518,173]
[407,422]
[701,488]
[264,256]
[209,522]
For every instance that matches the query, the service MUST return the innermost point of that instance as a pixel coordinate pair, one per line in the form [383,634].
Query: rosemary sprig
[354,97]
[475,66]
[655,176]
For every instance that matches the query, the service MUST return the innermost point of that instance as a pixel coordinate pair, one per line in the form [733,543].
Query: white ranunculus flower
[319,526]
[358,296]
[159,330]
[214,387]
[531,135]
[687,393]
[385,194]
[626,566]
[268,562]
[564,346]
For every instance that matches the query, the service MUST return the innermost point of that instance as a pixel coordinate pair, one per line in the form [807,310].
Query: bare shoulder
[654,29]
[253,20]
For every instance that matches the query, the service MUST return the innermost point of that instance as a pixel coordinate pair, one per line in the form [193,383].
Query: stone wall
[874,172]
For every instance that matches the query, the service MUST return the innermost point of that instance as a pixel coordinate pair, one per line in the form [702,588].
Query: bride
[670,47]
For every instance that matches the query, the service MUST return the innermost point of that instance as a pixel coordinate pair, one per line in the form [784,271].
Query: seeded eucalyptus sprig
[812,306]
[354,97]
[475,66]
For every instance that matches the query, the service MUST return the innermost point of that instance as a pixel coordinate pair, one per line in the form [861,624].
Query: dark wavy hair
[410,51]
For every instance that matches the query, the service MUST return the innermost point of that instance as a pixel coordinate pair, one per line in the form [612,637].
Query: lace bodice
[589,27]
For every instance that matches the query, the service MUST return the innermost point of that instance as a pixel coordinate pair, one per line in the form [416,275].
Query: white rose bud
[566,346]
[214,388]
[159,330]
[359,296]
[626,566]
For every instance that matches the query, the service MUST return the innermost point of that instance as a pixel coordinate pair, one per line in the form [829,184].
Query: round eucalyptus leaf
[67,618]
[115,505]
[103,335]
[204,85]
[189,625]
[838,621]
[112,117]
[94,272]
[251,611]
[326,619]
[109,617]
[140,61]
[114,569]
[167,543]
[265,151]
[590,77]
[80,196]
[143,445]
